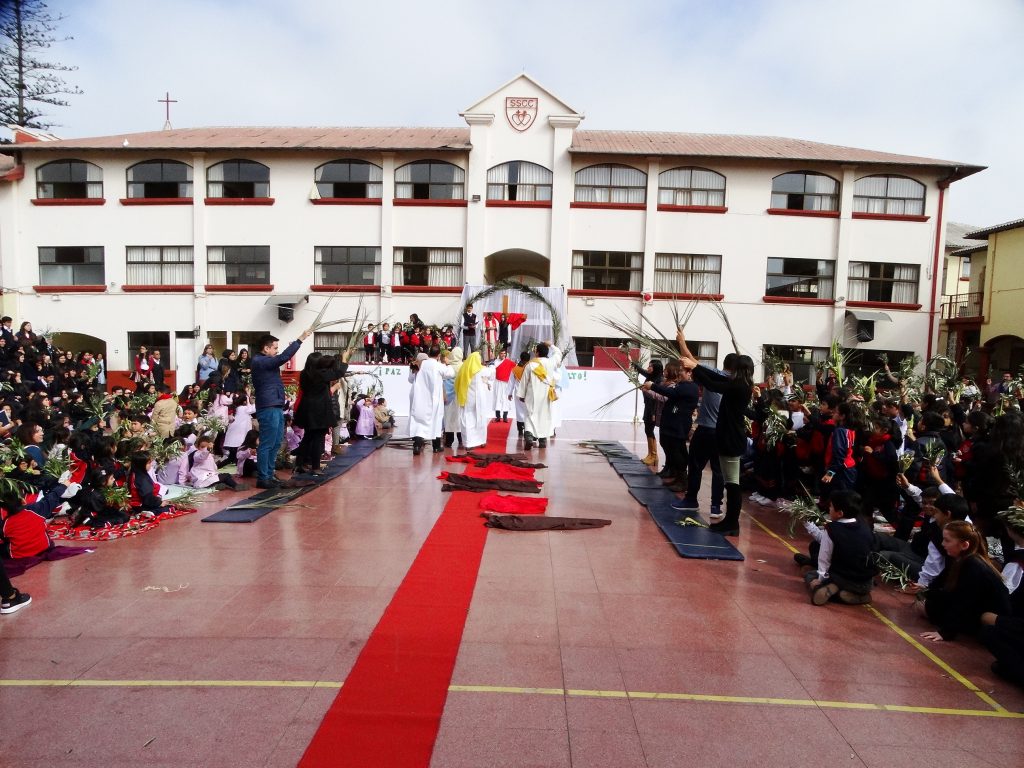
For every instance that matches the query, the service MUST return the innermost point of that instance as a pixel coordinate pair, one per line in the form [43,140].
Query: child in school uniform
[845,568]
[366,421]
[23,526]
[241,423]
[383,343]
[1003,635]
[245,458]
[369,343]
[145,495]
[199,468]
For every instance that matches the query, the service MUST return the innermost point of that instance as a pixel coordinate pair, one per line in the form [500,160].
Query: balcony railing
[963,306]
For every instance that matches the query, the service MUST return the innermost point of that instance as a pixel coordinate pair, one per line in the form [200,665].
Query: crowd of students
[399,344]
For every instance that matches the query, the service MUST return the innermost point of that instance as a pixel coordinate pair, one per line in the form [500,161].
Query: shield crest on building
[521,112]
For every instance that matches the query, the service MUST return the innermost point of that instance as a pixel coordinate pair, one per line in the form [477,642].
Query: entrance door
[186,358]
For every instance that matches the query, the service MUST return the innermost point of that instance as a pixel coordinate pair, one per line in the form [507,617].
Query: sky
[935,78]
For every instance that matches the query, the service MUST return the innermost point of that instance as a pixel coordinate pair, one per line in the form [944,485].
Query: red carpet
[389,709]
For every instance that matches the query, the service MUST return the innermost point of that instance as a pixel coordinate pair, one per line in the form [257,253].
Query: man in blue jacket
[269,391]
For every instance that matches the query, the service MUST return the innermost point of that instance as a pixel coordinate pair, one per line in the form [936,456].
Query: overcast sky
[937,78]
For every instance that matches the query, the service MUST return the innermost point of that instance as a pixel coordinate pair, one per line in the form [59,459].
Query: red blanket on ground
[63,531]
[515,505]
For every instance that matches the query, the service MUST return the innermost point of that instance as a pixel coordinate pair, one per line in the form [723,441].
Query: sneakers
[716,515]
[686,505]
[15,602]
[764,501]
[273,482]
[801,559]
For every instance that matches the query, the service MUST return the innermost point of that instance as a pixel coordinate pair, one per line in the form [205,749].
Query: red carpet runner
[388,712]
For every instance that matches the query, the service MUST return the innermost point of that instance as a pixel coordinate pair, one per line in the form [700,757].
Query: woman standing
[314,412]
[207,364]
[676,418]
[141,366]
[730,430]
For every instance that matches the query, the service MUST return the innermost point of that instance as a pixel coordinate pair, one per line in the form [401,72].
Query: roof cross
[167,101]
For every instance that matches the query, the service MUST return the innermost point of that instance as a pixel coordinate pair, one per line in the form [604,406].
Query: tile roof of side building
[457,139]
[955,232]
[982,234]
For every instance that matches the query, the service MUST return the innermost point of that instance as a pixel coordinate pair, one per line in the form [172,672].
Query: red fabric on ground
[459,460]
[514,505]
[63,531]
[499,471]
[389,709]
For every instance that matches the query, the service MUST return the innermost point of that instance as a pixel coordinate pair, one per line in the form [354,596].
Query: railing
[962,306]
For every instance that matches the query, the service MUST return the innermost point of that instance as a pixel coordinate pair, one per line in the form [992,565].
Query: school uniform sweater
[978,589]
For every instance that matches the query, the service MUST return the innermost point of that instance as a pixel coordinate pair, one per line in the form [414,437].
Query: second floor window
[69,180]
[800,278]
[687,273]
[330,343]
[428,266]
[890,195]
[430,180]
[74,265]
[692,187]
[238,265]
[159,265]
[805,192]
[519,180]
[875,281]
[350,179]
[238,179]
[346,265]
[611,184]
[160,179]
[607,270]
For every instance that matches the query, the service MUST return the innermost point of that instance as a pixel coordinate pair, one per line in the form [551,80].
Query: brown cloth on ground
[519,523]
[515,459]
[481,484]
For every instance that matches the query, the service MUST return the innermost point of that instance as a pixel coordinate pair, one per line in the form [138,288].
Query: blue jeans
[271,421]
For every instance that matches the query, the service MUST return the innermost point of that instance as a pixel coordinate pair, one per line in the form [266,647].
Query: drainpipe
[940,239]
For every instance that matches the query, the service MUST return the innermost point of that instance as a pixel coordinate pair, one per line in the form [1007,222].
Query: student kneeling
[843,551]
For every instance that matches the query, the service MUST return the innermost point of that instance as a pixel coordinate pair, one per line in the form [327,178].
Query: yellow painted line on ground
[999,708]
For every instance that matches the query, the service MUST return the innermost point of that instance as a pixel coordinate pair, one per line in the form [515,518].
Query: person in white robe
[426,400]
[558,377]
[451,406]
[513,391]
[473,386]
[537,391]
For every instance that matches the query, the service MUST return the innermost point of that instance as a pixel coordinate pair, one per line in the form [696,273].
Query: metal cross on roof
[167,101]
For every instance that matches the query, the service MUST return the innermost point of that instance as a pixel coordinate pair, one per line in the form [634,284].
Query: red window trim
[161,288]
[346,201]
[69,288]
[888,216]
[408,201]
[345,288]
[692,208]
[690,296]
[518,203]
[797,300]
[238,201]
[68,201]
[605,294]
[242,288]
[156,201]
[881,305]
[813,214]
[426,289]
[17,173]
[610,206]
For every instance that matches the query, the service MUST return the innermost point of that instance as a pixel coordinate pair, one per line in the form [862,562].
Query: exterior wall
[1004,284]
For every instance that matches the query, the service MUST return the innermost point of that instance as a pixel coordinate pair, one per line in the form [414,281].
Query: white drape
[159,265]
[904,289]
[857,289]
[687,273]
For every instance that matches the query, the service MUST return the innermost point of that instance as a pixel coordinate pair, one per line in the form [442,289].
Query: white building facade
[177,238]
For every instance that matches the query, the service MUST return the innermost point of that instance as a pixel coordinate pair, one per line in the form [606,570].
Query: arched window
[892,195]
[160,178]
[611,184]
[350,179]
[519,180]
[691,186]
[238,179]
[805,191]
[68,180]
[430,180]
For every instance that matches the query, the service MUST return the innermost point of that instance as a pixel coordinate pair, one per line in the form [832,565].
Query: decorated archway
[518,264]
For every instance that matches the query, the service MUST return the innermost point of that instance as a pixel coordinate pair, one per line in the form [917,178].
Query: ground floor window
[151,340]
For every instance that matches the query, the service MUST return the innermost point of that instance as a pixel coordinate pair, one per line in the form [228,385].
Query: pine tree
[28,83]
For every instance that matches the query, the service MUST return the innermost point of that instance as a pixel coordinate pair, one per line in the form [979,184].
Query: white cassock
[426,399]
[535,394]
[476,414]
[513,386]
[555,377]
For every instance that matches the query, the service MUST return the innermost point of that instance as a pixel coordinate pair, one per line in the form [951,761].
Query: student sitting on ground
[145,495]
[199,468]
[245,457]
[1004,635]
[23,526]
[842,552]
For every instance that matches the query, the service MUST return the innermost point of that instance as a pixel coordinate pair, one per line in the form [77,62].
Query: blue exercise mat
[653,496]
[643,481]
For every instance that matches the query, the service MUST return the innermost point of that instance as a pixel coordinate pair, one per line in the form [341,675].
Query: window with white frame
[428,266]
[346,265]
[805,191]
[238,264]
[238,179]
[687,273]
[159,265]
[71,265]
[69,180]
[519,180]
[333,343]
[802,361]
[889,195]
[691,187]
[965,268]
[611,184]
[156,179]
[800,278]
[607,270]
[430,180]
[350,179]
[876,281]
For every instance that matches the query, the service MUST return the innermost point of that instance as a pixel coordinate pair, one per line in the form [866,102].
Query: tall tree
[28,82]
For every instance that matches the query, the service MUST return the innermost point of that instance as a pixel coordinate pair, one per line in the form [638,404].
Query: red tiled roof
[206,139]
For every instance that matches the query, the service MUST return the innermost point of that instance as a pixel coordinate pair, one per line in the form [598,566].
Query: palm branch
[719,309]
[804,509]
[776,425]
[57,463]
[934,452]
[116,497]
[1013,518]
[905,460]
[892,573]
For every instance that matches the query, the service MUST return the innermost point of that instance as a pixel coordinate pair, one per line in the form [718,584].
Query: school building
[180,237]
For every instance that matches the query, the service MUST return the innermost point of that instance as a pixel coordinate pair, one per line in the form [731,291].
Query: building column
[476,192]
[199,271]
[387,235]
[844,249]
[560,250]
[650,223]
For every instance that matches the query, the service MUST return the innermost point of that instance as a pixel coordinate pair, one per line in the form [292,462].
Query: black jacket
[731,429]
[315,410]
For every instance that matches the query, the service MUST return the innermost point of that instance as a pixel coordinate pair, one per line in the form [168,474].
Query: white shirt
[825,541]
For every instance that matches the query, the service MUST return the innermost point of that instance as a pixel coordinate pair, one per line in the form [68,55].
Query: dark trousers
[704,449]
[6,588]
[675,453]
[1005,641]
[311,448]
